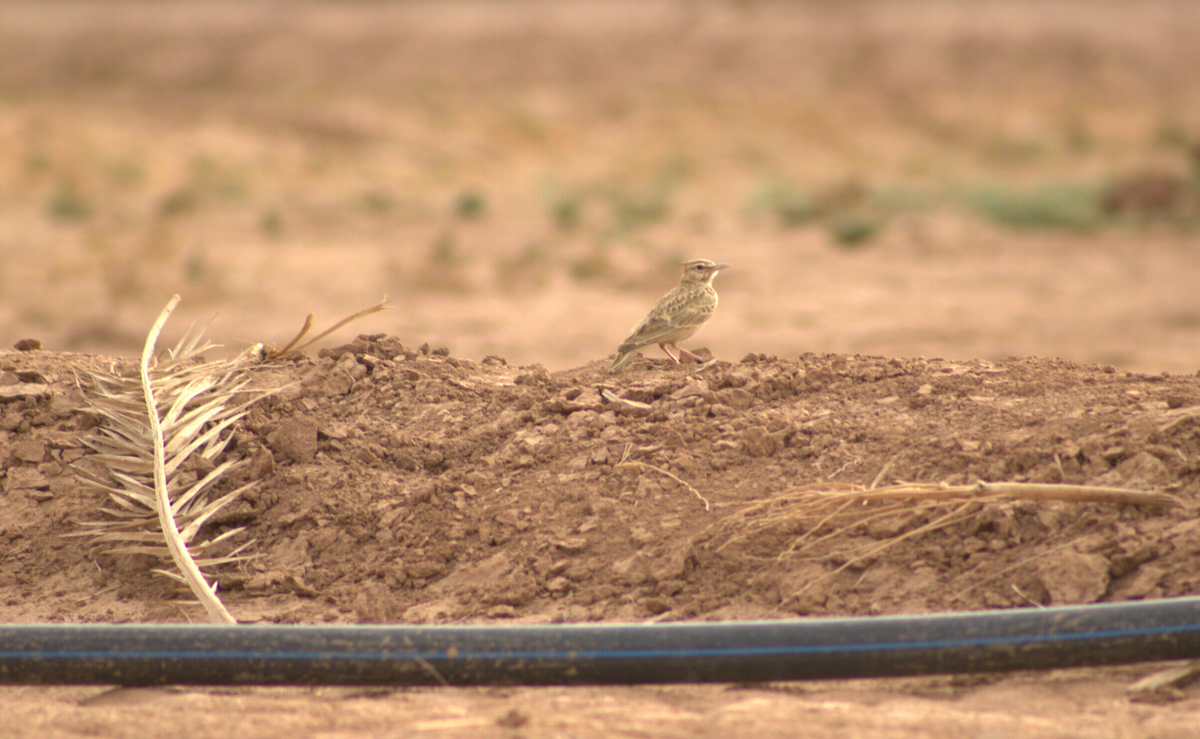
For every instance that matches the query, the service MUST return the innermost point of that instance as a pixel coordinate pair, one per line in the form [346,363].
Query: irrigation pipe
[988,641]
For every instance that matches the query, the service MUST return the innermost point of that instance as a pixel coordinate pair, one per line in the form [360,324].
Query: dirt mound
[406,485]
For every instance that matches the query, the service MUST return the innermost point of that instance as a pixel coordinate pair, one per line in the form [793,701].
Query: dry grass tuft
[829,521]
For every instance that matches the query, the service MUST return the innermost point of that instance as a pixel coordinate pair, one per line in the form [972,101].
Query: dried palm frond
[173,417]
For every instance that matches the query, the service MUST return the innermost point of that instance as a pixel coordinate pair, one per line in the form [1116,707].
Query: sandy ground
[522,180]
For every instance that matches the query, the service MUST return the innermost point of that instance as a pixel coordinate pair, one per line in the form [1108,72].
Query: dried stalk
[295,346]
[1020,491]
[626,462]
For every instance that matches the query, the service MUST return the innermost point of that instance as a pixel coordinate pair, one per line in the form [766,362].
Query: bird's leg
[690,354]
[674,358]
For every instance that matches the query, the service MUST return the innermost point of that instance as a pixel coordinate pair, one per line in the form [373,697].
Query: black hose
[602,654]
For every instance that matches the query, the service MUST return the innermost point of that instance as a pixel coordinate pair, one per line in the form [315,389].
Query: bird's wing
[667,326]
[694,316]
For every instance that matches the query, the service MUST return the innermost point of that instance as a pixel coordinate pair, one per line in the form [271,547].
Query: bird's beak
[717,267]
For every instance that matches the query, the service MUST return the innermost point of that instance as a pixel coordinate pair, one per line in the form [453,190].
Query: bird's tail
[621,360]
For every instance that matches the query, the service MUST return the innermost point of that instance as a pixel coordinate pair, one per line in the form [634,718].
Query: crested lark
[676,316]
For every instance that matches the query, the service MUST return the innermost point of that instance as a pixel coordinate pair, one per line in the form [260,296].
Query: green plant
[1171,133]
[1078,137]
[443,253]
[791,204]
[564,203]
[177,202]
[271,223]
[37,162]
[632,209]
[594,265]
[853,228]
[1059,206]
[223,183]
[567,211]
[193,267]
[126,173]
[1000,147]
[527,270]
[470,205]
[377,202]
[68,205]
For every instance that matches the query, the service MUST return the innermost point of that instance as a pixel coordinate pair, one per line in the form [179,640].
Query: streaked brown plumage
[678,315]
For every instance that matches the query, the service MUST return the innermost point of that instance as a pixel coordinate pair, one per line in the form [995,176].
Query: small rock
[350,365]
[296,439]
[674,564]
[335,430]
[23,390]
[693,388]
[424,569]
[572,545]
[29,451]
[588,399]
[199,464]
[736,398]
[434,459]
[516,589]
[759,443]
[1072,577]
[514,719]
[50,469]
[375,604]
[1112,453]
[338,383]
[1143,471]
[655,606]
[25,478]
[633,570]
[1144,583]
[423,492]
[262,464]
[533,375]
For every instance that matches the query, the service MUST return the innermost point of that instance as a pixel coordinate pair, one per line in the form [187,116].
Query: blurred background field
[938,178]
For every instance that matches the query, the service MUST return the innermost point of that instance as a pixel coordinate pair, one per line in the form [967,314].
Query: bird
[676,316]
